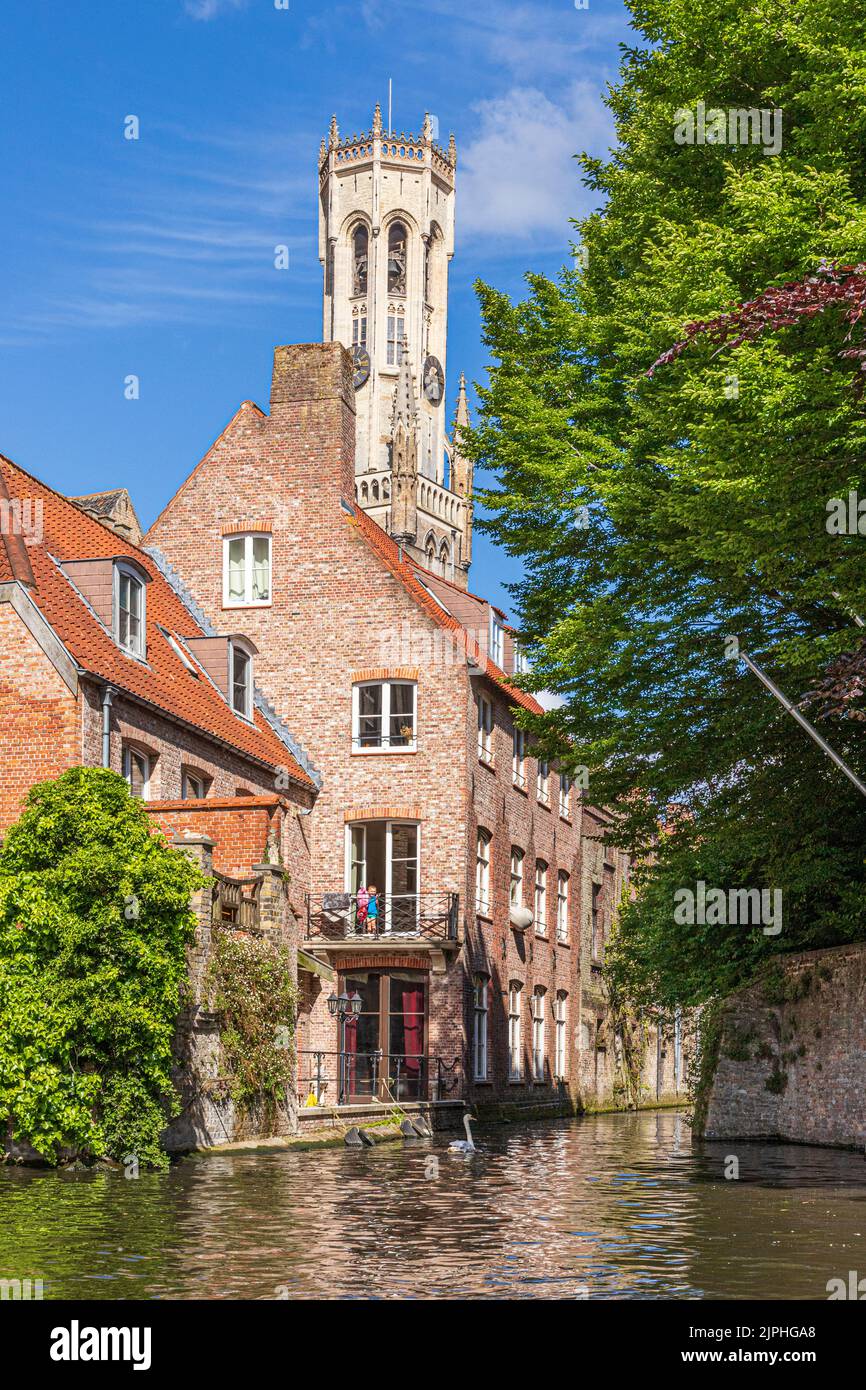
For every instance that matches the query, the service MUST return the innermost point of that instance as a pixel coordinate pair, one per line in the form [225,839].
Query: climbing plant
[251,983]
[94,922]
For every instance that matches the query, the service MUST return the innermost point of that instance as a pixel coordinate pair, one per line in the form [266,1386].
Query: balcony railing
[236,902]
[354,1078]
[336,916]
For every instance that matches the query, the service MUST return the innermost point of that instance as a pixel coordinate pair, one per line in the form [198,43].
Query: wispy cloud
[519,178]
[209,9]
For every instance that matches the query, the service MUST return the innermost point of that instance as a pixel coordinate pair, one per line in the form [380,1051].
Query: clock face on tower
[361,359]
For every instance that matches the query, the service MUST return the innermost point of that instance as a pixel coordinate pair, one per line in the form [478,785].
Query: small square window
[246,571]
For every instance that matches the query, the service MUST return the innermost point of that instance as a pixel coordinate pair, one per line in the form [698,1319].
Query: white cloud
[518,178]
[209,9]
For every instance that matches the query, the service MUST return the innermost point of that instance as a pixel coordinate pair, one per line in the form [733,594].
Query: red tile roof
[411,576]
[164,682]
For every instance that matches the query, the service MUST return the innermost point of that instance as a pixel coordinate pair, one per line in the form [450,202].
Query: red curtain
[413,1029]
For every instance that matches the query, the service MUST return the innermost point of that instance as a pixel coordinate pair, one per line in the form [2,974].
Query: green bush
[94,923]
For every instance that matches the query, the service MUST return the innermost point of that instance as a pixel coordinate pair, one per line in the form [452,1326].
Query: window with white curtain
[562,906]
[538,1034]
[515,1043]
[518,758]
[541,897]
[560,1059]
[516,896]
[482,872]
[246,570]
[485,729]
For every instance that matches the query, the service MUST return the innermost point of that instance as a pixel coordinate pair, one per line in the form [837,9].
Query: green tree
[94,923]
[659,515]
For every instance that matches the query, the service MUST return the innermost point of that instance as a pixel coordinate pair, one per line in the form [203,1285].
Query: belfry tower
[386,237]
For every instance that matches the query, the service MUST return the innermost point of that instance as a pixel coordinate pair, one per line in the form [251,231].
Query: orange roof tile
[407,572]
[164,681]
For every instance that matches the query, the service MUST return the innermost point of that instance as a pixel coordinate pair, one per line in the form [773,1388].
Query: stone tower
[386,237]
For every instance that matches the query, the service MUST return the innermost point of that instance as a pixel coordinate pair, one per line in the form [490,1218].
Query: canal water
[608,1206]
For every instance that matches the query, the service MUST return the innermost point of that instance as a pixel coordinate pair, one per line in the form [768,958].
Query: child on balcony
[362,903]
[372,908]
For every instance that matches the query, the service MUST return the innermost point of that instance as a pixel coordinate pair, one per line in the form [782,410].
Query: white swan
[463,1146]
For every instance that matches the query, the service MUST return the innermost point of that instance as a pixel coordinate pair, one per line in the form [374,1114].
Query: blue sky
[155,257]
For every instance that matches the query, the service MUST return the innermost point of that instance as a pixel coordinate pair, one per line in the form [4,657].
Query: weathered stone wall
[792,1054]
[208,1115]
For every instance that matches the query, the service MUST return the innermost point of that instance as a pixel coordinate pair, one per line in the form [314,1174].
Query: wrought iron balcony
[424,916]
[353,1078]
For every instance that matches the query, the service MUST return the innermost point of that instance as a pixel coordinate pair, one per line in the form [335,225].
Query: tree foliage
[657,515]
[94,923]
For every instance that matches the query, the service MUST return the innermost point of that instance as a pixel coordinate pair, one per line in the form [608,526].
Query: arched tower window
[397,252]
[430,551]
[445,558]
[360,250]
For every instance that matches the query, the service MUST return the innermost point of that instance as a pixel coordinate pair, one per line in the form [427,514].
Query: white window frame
[538,1033]
[247,712]
[565,786]
[560,1054]
[485,729]
[121,571]
[541,871]
[542,782]
[384,744]
[128,752]
[497,641]
[515,1032]
[351,861]
[480,1026]
[518,861]
[521,662]
[248,601]
[188,775]
[563,882]
[518,758]
[482,871]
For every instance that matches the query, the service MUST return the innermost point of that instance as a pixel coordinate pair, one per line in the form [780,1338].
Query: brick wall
[792,1054]
[39,719]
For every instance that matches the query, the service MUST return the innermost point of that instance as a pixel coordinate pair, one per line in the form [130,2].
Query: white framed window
[130,601]
[541,897]
[485,729]
[515,1042]
[384,716]
[560,1054]
[521,662]
[480,1029]
[240,680]
[482,872]
[538,1034]
[542,782]
[562,906]
[246,570]
[516,895]
[359,331]
[193,786]
[518,757]
[136,770]
[497,641]
[565,785]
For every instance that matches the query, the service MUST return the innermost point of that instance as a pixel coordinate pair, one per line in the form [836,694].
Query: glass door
[402,915]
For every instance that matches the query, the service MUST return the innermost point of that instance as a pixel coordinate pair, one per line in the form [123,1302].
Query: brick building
[103,663]
[481,976]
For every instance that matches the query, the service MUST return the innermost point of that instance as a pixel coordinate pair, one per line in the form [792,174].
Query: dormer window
[240,680]
[129,610]
[246,570]
[497,641]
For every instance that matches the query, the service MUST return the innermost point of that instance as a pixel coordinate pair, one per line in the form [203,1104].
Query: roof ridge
[67,501]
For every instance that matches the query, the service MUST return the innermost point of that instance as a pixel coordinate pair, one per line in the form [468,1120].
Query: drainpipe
[106,726]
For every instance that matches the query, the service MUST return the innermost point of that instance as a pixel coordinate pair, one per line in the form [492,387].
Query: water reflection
[607,1206]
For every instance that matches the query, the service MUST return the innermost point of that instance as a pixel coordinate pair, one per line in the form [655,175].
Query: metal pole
[803,722]
[342,1099]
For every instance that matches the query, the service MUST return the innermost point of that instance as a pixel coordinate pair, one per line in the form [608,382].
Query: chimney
[313,415]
